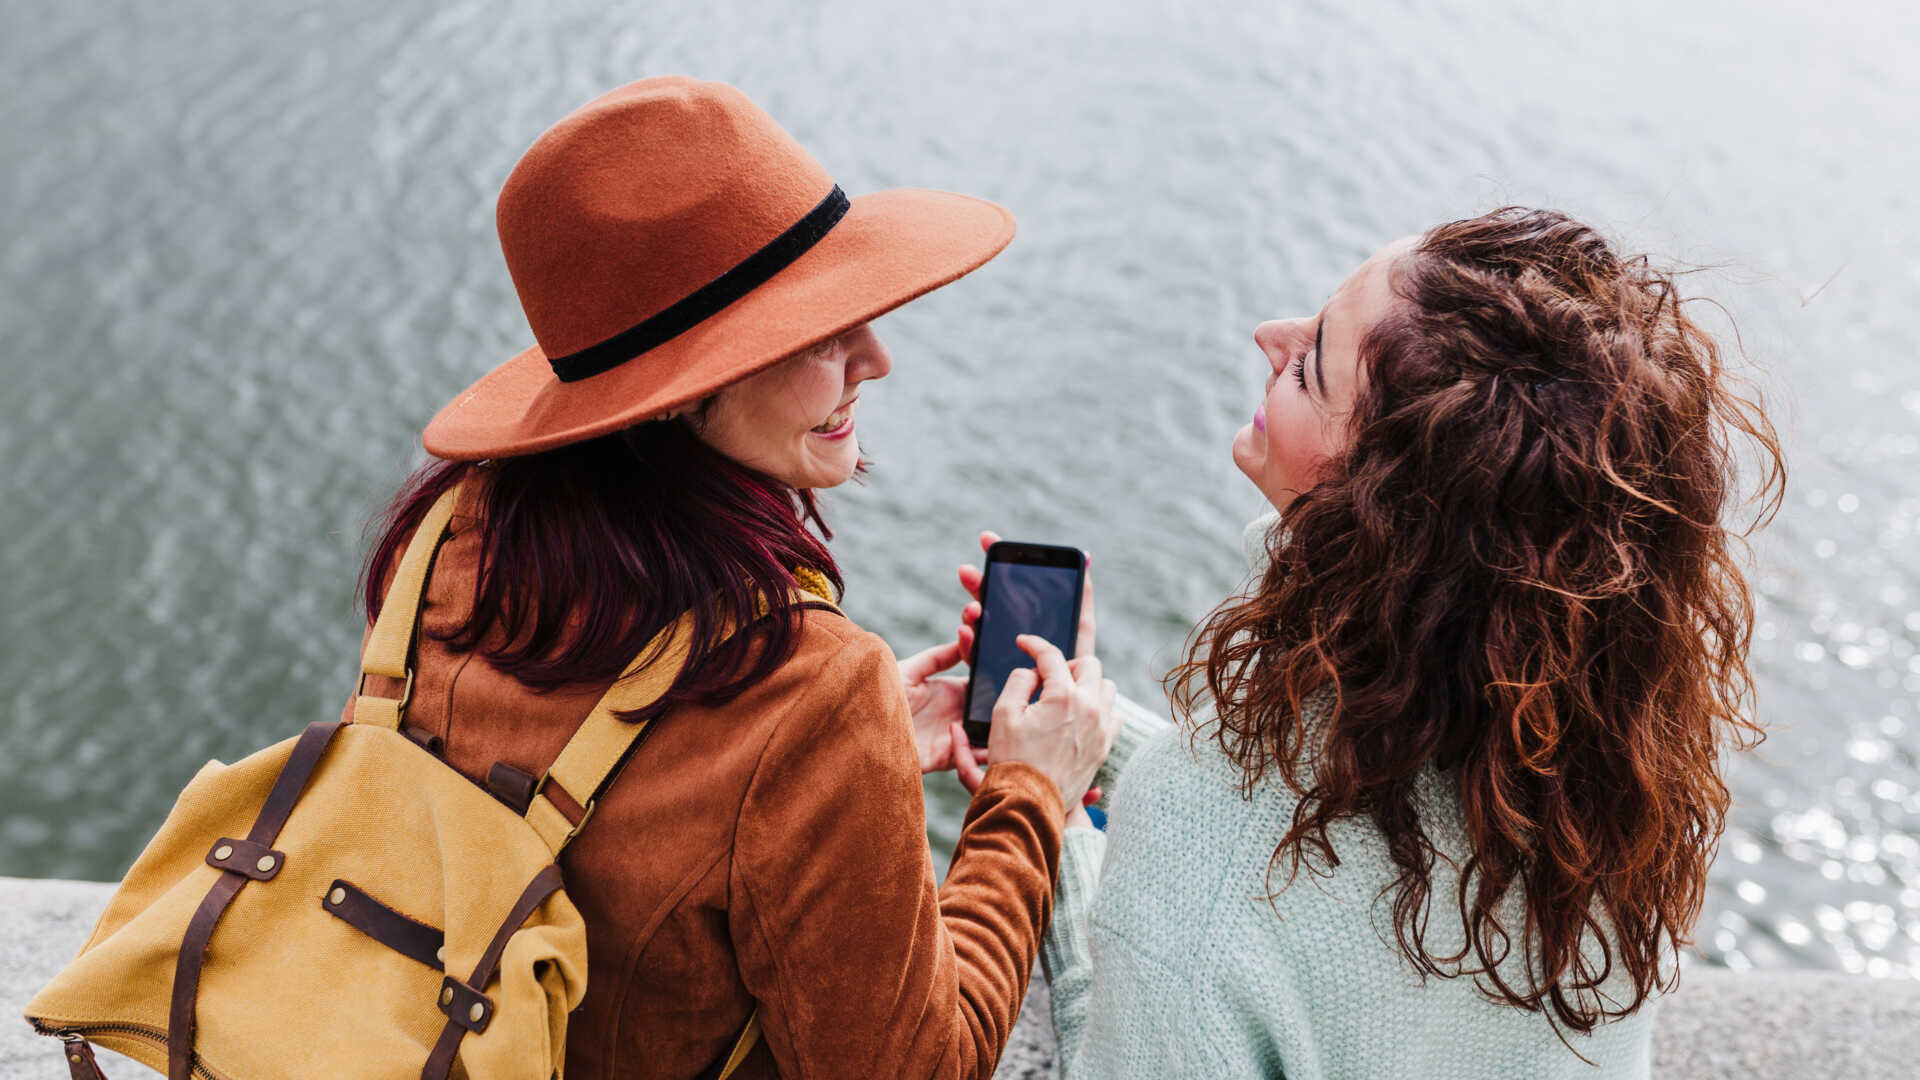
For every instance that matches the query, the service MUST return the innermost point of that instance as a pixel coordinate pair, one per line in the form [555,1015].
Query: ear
[694,411]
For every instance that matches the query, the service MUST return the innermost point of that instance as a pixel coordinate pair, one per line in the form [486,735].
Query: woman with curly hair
[1450,804]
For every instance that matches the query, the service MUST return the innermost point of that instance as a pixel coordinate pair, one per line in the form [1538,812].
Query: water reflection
[253,250]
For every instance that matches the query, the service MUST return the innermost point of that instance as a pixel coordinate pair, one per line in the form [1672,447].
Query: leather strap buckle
[464,1005]
[406,693]
[247,858]
[582,823]
[547,786]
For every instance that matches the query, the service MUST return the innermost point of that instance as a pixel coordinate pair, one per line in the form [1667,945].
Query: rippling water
[249,251]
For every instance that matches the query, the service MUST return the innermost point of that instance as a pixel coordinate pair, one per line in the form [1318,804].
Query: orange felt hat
[668,238]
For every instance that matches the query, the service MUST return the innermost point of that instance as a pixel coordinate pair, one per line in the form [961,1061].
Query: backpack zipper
[140,1032]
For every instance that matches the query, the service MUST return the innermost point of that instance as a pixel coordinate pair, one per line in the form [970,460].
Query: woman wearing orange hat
[700,289]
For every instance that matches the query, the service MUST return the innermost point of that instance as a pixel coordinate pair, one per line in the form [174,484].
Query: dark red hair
[1519,572]
[589,550]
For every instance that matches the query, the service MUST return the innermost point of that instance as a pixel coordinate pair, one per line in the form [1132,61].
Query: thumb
[1017,691]
[927,662]
[969,770]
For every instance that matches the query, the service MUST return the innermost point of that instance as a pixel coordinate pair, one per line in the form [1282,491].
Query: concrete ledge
[1720,1025]
[1750,1026]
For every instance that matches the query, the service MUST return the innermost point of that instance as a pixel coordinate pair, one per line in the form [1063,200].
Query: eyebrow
[1319,374]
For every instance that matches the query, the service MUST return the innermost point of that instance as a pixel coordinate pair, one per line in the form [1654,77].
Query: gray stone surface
[42,924]
[1788,1024]
[1749,1026]
[1720,1025]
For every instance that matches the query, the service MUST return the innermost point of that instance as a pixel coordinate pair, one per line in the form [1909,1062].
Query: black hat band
[686,313]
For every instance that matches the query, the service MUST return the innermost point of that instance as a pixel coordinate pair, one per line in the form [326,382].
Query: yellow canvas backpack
[345,904]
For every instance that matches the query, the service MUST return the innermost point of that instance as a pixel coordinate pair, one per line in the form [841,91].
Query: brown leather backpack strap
[566,795]
[391,642]
[301,763]
[402,933]
[466,1003]
[81,1064]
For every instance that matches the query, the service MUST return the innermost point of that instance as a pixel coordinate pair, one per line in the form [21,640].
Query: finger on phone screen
[964,764]
[1018,690]
[1048,660]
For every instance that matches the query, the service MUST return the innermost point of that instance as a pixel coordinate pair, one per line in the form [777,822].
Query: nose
[1275,338]
[867,356]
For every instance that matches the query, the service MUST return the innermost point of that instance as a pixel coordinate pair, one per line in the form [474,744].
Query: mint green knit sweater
[1168,961]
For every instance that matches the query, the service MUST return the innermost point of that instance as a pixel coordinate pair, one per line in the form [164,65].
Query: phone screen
[1020,598]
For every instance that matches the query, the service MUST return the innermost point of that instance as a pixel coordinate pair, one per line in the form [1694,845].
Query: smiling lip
[846,426]
[1260,419]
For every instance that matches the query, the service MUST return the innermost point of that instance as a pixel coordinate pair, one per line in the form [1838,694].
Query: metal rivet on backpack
[265,864]
[73,1057]
[440,954]
[337,896]
[223,852]
[474,1014]
[446,996]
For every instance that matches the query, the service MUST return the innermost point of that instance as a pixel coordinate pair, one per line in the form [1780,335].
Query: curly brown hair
[1518,572]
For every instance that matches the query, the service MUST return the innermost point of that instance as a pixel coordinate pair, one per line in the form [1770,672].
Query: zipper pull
[80,1060]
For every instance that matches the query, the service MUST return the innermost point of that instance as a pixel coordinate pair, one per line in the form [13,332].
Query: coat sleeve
[860,965]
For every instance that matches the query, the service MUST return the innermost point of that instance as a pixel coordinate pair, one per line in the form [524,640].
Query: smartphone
[1028,589]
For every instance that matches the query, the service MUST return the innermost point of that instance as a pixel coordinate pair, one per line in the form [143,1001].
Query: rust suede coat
[768,851]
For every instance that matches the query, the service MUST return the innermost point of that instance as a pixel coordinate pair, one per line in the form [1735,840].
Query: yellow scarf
[815,582]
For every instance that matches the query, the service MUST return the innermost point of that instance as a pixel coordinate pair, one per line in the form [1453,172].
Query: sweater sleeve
[1065,954]
[1137,725]
[1063,951]
[862,966]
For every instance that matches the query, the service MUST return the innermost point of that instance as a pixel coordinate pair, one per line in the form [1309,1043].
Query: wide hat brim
[891,247]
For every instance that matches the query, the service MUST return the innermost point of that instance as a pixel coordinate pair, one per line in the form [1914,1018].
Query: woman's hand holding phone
[1065,733]
[1070,728]
[934,701]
